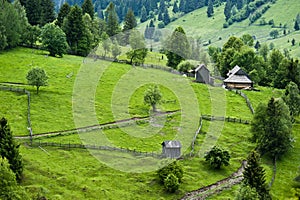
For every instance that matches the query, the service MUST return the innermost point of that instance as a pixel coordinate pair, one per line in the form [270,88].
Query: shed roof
[171,144]
[201,66]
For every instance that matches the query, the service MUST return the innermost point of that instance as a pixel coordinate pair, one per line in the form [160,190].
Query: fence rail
[95,147]
[195,137]
[24,91]
[247,100]
[228,119]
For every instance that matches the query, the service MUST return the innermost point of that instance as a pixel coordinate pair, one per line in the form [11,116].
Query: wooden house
[238,79]
[171,149]
[202,75]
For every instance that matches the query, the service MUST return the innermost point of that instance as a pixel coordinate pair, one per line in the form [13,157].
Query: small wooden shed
[238,79]
[171,149]
[202,75]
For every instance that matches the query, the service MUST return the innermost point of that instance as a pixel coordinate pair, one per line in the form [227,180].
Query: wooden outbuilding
[238,79]
[202,75]
[171,149]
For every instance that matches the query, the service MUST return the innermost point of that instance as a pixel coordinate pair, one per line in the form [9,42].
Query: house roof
[233,71]
[237,79]
[200,67]
[171,144]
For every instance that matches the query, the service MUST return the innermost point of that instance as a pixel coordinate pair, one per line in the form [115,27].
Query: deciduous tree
[54,40]
[37,77]
[138,51]
[217,157]
[152,97]
[292,99]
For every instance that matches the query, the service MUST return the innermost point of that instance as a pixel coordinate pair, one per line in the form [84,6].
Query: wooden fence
[195,137]
[247,100]
[228,119]
[95,147]
[24,91]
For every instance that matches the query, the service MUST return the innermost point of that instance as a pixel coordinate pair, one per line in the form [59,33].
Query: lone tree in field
[37,77]
[217,157]
[10,150]
[152,97]
[254,176]
[272,128]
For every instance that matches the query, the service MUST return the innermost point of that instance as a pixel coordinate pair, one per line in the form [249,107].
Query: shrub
[173,168]
[171,183]
[217,157]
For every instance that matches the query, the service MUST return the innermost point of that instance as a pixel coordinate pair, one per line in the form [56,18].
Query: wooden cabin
[238,79]
[202,75]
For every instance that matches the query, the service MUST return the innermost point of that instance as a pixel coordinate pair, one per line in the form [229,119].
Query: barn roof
[233,71]
[201,66]
[171,144]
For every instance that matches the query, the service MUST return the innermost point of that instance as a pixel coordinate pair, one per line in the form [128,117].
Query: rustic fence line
[95,147]
[24,91]
[247,100]
[195,136]
[228,119]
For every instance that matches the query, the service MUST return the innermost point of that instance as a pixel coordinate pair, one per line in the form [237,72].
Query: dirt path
[217,187]
[119,123]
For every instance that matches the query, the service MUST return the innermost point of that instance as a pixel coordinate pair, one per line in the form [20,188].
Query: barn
[202,74]
[238,79]
[171,149]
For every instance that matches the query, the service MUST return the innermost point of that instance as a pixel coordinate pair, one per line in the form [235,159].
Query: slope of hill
[210,30]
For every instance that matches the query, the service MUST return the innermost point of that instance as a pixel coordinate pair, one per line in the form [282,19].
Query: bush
[184,66]
[217,157]
[171,183]
[225,25]
[173,168]
[161,25]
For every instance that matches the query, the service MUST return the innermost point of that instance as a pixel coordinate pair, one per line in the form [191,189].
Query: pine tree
[73,27]
[272,128]
[296,26]
[143,15]
[182,6]
[129,21]
[47,12]
[88,7]
[63,12]
[210,8]
[166,17]
[10,150]
[33,11]
[254,175]
[227,9]
[112,20]
[175,8]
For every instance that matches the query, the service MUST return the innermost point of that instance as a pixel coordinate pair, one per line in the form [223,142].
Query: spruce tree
[175,8]
[166,17]
[254,175]
[296,26]
[63,12]
[88,7]
[112,20]
[210,8]
[182,6]
[33,11]
[9,149]
[129,21]
[47,12]
[227,9]
[143,15]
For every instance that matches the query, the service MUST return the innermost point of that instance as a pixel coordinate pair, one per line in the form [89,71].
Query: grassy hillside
[197,25]
[75,174]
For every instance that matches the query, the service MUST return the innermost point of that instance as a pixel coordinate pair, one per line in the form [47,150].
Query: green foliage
[247,40]
[106,43]
[112,20]
[47,12]
[288,70]
[292,99]
[274,34]
[54,40]
[210,8]
[138,51]
[129,23]
[116,49]
[37,77]
[10,150]
[171,183]
[63,12]
[184,66]
[8,184]
[217,157]
[143,15]
[254,177]
[178,48]
[87,7]
[272,128]
[246,192]
[173,168]
[152,96]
